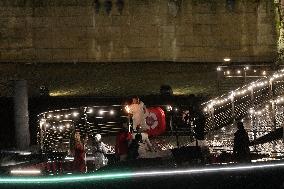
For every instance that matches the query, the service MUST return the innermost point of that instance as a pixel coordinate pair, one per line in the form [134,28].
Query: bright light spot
[101,112]
[169,108]
[58,116]
[49,116]
[264,73]
[75,114]
[61,127]
[246,68]
[90,110]
[25,153]
[251,111]
[127,109]
[227,59]
[66,115]
[176,109]
[254,71]
[67,125]
[228,72]
[26,172]
[219,68]
[111,112]
[239,71]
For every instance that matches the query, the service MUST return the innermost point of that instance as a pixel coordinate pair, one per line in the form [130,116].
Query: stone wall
[136,30]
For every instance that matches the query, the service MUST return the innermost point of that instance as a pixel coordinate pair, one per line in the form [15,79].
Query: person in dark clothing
[241,144]
[133,147]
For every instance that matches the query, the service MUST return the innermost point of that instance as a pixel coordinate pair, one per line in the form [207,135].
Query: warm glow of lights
[264,73]
[101,112]
[169,108]
[127,109]
[227,59]
[25,172]
[111,112]
[90,110]
[219,68]
[75,114]
[228,72]
[239,71]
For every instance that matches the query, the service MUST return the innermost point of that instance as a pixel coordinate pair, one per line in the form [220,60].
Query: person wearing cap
[138,110]
[99,152]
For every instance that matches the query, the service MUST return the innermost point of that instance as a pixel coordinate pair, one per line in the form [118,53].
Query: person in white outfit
[145,147]
[99,152]
[138,110]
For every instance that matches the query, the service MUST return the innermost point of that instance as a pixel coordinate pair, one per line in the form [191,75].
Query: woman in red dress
[79,164]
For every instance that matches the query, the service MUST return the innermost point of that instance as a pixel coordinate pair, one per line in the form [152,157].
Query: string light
[223,103]
[90,110]
[75,114]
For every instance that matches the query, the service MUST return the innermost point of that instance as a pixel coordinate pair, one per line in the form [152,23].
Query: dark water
[110,79]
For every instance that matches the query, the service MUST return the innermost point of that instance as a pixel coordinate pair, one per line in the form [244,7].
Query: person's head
[138,129]
[77,136]
[135,100]
[138,137]
[124,127]
[98,137]
[240,125]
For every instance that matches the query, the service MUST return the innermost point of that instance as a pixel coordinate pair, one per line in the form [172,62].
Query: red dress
[79,159]
[122,139]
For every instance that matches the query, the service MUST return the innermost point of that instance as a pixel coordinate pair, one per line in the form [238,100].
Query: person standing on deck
[241,149]
[138,110]
[79,164]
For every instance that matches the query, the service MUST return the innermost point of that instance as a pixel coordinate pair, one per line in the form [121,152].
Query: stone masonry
[137,30]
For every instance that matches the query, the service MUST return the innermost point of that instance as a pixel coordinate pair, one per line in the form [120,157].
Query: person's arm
[104,149]
[144,107]
[150,146]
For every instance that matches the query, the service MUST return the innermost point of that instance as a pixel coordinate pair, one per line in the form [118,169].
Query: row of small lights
[55,122]
[76,114]
[278,100]
[238,92]
[228,72]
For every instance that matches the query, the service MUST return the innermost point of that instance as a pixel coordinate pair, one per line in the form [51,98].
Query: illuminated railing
[223,110]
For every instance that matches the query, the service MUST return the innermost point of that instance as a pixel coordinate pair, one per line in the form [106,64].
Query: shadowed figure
[241,144]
